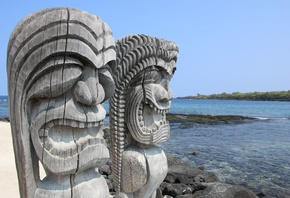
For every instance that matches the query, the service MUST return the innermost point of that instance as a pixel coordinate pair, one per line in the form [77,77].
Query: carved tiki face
[67,114]
[148,102]
[61,64]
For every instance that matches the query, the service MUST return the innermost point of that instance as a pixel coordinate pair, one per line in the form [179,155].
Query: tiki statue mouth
[152,117]
[72,141]
[146,119]
[67,138]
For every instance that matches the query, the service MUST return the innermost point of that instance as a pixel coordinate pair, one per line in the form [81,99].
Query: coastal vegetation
[258,96]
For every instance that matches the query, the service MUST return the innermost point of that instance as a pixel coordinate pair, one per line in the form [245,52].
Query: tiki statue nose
[88,90]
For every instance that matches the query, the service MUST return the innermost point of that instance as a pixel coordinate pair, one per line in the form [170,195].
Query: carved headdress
[140,58]
[47,52]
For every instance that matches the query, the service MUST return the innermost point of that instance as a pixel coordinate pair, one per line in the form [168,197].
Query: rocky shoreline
[186,181]
[189,119]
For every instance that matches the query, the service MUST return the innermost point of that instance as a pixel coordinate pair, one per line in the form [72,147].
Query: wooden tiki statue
[58,68]
[138,110]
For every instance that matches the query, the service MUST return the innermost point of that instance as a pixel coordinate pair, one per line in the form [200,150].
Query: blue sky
[225,45]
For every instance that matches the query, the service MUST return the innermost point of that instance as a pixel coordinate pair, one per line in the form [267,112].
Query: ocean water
[255,154]
[258,109]
[4,106]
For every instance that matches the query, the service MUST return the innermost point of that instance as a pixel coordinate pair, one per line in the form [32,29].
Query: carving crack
[78,154]
[72,177]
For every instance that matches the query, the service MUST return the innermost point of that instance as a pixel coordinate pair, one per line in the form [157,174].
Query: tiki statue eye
[55,82]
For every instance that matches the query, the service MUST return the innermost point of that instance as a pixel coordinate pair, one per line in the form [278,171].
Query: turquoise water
[4,106]
[254,154]
[259,109]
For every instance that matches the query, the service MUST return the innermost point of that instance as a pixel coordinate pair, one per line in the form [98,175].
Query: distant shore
[251,96]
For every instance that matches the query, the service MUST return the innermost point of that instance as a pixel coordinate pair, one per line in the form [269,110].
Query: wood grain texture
[143,63]
[58,70]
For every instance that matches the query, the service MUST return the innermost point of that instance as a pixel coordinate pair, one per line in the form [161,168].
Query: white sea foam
[265,118]
[262,118]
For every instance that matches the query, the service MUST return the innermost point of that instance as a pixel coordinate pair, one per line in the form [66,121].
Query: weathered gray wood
[59,69]
[55,58]
[142,97]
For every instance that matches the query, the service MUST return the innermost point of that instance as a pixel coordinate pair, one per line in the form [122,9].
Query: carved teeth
[83,146]
[49,124]
[92,141]
[87,135]
[154,107]
[73,124]
[81,125]
[141,123]
[73,152]
[43,133]
[47,145]
[158,124]
[140,114]
[140,118]
[99,141]
[56,122]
